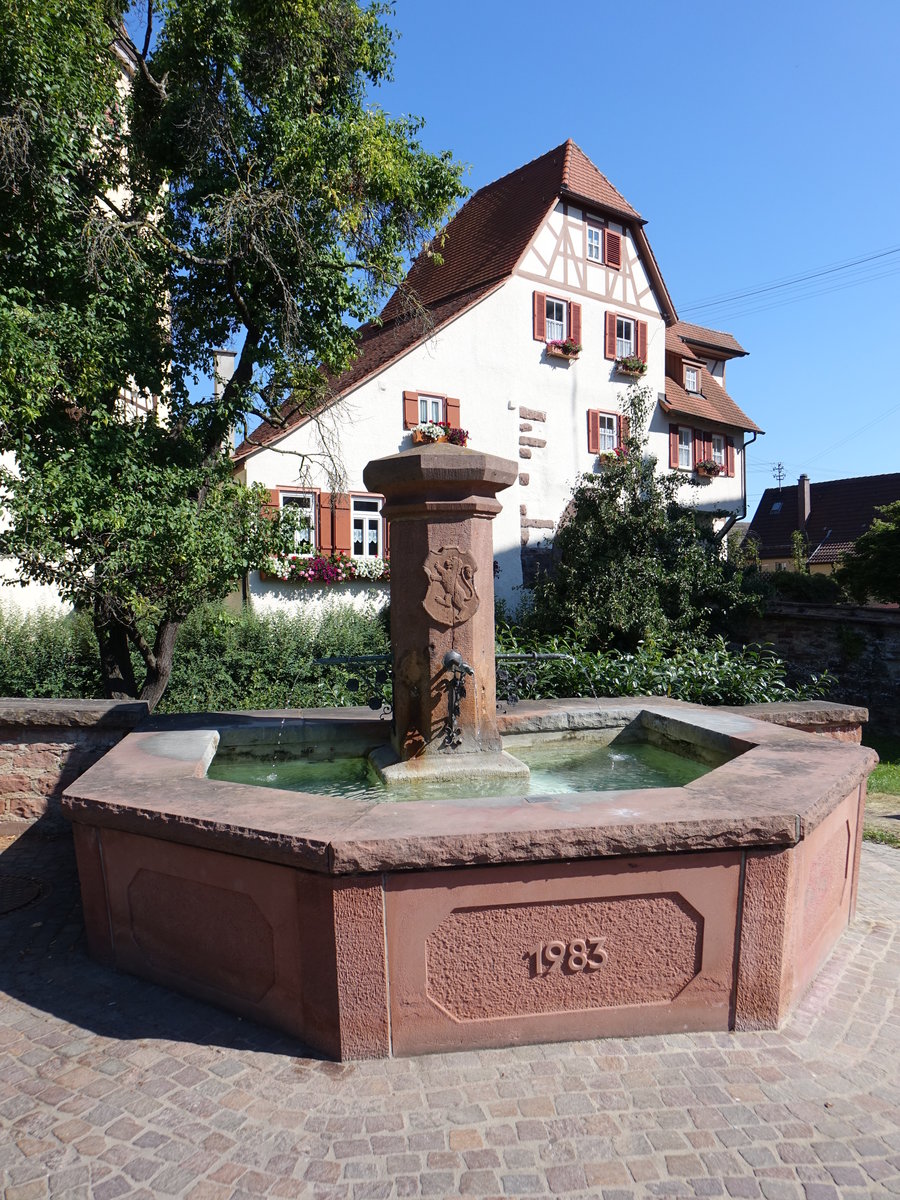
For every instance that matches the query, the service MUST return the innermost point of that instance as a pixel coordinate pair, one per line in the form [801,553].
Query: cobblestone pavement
[110,1087]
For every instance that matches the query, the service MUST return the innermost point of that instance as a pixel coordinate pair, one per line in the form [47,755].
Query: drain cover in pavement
[16,891]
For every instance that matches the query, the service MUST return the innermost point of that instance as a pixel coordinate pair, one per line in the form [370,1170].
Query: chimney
[802,502]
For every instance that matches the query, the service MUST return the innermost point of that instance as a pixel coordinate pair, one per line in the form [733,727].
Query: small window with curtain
[718,450]
[607,439]
[303,506]
[556,320]
[366,526]
[624,337]
[692,379]
[594,243]
[431,408]
[685,448]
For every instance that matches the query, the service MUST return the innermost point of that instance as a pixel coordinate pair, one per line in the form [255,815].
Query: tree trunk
[159,670]
[119,682]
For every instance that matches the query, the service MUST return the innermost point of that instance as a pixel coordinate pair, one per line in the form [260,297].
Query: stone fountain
[379,928]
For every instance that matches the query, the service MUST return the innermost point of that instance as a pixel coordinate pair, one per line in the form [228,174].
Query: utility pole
[779,472]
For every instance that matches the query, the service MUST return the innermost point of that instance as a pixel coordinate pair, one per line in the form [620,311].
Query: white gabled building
[547,253]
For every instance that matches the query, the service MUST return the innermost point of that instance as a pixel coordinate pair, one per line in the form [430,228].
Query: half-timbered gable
[547,295]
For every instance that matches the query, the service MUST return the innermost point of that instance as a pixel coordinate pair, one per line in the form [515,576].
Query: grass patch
[886,776]
[882,837]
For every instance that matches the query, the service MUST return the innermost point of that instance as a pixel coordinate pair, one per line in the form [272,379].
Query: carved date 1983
[582,954]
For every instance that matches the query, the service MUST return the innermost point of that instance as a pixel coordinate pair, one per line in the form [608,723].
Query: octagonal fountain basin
[370,926]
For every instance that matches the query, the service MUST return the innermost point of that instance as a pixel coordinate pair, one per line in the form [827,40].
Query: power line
[730,313]
[786,281]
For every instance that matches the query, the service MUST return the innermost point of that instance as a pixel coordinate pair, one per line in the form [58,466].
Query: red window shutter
[386,535]
[324,531]
[410,410]
[540,317]
[729,456]
[593,431]
[574,321]
[673,447]
[641,339]
[609,348]
[624,429]
[274,503]
[343,533]
[613,247]
[453,413]
[697,447]
[708,447]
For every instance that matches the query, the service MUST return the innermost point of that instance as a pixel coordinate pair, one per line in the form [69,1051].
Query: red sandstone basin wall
[403,928]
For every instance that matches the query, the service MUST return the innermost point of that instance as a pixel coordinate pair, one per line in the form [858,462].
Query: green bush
[227,660]
[803,588]
[711,673]
[49,654]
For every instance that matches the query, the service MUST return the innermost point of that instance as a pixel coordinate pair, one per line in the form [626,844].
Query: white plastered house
[549,252]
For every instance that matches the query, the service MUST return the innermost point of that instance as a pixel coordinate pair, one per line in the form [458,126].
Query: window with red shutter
[613,249]
[673,447]
[410,410]
[641,339]
[609,340]
[540,317]
[603,431]
[325,523]
[729,456]
[575,322]
[593,419]
[452,413]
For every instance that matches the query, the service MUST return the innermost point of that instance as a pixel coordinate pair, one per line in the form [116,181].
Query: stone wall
[861,646]
[46,744]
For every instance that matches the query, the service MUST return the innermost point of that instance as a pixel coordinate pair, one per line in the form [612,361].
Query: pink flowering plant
[326,568]
[612,456]
[442,431]
[567,347]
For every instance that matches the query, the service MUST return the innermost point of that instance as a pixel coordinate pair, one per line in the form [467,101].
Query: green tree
[872,571]
[218,178]
[632,564]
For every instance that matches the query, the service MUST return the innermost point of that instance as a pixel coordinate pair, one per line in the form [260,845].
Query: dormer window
[691,379]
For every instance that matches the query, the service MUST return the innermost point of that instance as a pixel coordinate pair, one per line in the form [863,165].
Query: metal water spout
[456,691]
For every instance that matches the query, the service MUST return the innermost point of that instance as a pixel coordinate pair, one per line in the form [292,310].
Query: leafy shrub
[803,588]
[49,654]
[710,673]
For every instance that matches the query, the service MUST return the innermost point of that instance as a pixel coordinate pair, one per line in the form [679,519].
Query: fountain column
[440,501]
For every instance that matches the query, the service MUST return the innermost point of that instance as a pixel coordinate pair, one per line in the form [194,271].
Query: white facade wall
[489,360]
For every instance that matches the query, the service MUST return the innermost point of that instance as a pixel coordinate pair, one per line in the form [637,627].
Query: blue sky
[760,143]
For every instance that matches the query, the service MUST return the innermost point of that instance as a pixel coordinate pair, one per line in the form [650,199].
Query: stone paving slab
[111,1087]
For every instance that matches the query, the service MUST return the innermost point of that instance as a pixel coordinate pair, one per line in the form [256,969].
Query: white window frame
[718,449]
[594,244]
[293,499]
[432,408]
[608,429]
[685,448]
[370,520]
[625,344]
[555,329]
[691,379]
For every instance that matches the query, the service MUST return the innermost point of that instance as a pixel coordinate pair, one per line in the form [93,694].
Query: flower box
[434,431]
[707,469]
[302,569]
[567,348]
[632,366]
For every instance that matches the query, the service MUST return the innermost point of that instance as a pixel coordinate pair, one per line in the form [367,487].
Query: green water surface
[556,767]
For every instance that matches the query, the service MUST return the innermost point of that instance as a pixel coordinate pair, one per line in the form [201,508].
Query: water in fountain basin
[556,767]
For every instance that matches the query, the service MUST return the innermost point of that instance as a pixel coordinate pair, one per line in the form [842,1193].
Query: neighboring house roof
[709,339]
[481,246]
[712,403]
[840,510]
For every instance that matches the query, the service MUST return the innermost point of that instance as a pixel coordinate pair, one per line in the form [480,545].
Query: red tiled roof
[712,339]
[712,403]
[480,247]
[490,233]
[839,511]
[379,345]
